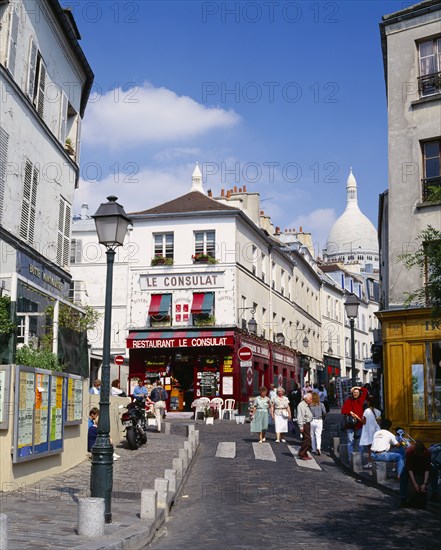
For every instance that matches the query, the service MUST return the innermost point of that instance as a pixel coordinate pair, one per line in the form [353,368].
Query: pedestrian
[294,397]
[324,397]
[140,390]
[307,388]
[280,413]
[416,474]
[96,388]
[93,414]
[353,409]
[371,424]
[304,419]
[272,392]
[115,389]
[318,415]
[381,447]
[159,397]
[260,410]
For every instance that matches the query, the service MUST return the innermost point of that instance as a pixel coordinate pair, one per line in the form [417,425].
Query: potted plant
[161,260]
[202,258]
[200,321]
[69,147]
[160,320]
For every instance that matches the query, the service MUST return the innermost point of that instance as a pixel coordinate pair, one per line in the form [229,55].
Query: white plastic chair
[217,403]
[200,405]
[229,407]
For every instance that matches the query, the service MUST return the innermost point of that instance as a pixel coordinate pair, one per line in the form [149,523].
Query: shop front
[412,371]
[331,369]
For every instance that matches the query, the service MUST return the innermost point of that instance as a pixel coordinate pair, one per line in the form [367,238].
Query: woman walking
[261,407]
[371,424]
[280,412]
[318,414]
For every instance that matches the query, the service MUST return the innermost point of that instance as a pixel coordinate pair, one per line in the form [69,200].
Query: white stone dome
[353,234]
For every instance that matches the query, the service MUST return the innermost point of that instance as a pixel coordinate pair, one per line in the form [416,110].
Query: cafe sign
[176,281]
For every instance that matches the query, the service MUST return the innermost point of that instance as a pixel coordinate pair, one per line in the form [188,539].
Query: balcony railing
[429,84]
[428,185]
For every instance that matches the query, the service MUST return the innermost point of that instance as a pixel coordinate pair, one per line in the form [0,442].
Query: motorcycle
[134,421]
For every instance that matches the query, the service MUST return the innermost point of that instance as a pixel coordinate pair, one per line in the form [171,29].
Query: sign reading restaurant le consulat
[161,281]
[180,342]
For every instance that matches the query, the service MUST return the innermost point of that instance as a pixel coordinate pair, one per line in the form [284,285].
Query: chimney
[301,229]
[240,189]
[262,213]
[235,188]
[244,188]
[209,193]
[228,194]
[222,192]
[277,230]
[84,211]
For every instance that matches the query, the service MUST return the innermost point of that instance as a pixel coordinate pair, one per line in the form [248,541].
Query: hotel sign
[175,281]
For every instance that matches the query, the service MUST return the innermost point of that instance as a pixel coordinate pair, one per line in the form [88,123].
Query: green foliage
[434,193]
[162,260]
[204,259]
[6,325]
[78,321]
[428,259]
[38,358]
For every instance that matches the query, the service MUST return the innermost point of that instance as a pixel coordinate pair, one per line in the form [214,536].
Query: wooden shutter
[29,201]
[32,65]
[63,241]
[63,118]
[4,138]
[13,37]
[41,88]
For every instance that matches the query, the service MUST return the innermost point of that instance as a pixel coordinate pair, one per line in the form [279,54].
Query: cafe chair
[217,403]
[229,407]
[200,405]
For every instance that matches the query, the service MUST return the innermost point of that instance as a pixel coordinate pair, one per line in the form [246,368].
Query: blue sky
[283,97]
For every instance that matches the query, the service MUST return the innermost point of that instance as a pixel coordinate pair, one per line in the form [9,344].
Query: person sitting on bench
[381,447]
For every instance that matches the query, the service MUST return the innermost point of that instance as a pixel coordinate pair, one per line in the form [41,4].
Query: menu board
[227,385]
[38,425]
[228,365]
[5,377]
[74,400]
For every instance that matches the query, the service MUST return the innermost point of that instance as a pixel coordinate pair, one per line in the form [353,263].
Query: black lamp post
[111,225]
[351,307]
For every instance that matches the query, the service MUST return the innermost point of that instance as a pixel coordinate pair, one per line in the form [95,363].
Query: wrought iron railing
[428,185]
[429,84]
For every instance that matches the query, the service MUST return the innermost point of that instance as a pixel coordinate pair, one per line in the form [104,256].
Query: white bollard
[184,455]
[167,427]
[170,475]
[380,471]
[192,440]
[91,517]
[178,466]
[343,452]
[196,434]
[189,449]
[357,462]
[161,488]
[148,504]
[3,532]
[190,429]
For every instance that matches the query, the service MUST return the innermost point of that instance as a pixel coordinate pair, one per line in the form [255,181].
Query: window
[429,81]
[4,139]
[13,37]
[254,259]
[431,167]
[204,243]
[263,267]
[164,245]
[28,204]
[63,240]
[160,310]
[36,78]
[202,308]
[77,292]
[76,251]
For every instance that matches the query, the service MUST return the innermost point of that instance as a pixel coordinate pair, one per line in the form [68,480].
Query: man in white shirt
[96,388]
[381,445]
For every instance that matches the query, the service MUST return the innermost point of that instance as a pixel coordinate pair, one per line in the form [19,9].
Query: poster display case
[5,392]
[74,400]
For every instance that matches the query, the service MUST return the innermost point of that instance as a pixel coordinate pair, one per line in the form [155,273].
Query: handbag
[285,414]
[349,422]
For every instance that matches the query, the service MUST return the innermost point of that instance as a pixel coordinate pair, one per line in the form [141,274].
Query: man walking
[304,419]
[159,396]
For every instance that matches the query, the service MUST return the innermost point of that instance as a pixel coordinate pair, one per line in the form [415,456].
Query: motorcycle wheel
[131,438]
[142,435]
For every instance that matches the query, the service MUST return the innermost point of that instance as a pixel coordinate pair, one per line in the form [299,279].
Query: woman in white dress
[280,412]
[371,424]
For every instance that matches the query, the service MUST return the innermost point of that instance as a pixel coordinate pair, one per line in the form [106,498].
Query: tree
[428,259]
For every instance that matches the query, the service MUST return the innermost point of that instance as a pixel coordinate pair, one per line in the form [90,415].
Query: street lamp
[111,226]
[351,307]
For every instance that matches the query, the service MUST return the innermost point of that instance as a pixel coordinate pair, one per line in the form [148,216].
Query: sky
[282,97]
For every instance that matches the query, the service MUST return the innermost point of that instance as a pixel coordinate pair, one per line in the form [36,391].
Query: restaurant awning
[202,302]
[160,304]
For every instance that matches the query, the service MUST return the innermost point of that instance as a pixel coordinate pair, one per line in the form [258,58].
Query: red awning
[160,304]
[202,302]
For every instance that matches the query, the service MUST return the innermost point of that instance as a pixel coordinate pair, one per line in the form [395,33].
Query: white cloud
[318,223]
[168,155]
[121,119]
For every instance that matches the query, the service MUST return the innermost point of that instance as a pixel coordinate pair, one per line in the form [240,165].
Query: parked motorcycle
[134,421]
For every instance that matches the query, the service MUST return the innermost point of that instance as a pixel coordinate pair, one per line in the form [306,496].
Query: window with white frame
[4,139]
[28,202]
[205,243]
[254,259]
[163,245]
[76,251]
[11,55]
[263,276]
[63,240]
[429,81]
[37,74]
[431,167]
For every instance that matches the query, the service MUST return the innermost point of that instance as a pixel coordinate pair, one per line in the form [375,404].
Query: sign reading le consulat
[213,279]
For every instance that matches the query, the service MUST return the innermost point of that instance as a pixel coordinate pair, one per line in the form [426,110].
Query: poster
[74,400]
[56,423]
[227,385]
[418,394]
[41,413]
[25,412]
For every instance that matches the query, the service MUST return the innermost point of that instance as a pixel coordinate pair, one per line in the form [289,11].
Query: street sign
[119,359]
[246,364]
[245,353]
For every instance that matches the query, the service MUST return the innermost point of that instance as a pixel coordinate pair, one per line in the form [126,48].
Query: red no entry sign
[245,353]
[119,359]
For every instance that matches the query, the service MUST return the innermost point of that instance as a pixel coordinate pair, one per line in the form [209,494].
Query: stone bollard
[184,455]
[343,452]
[167,427]
[161,488]
[196,434]
[190,429]
[189,449]
[3,532]
[357,462]
[149,504]
[178,466]
[335,445]
[192,440]
[380,471]
[91,517]
[170,475]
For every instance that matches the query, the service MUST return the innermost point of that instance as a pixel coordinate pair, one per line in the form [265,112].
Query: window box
[164,321]
[203,322]
[203,259]
[162,260]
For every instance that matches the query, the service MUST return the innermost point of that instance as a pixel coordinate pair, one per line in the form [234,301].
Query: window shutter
[63,118]
[4,138]
[31,69]
[60,232]
[33,206]
[13,37]
[66,238]
[63,240]
[29,201]
[39,100]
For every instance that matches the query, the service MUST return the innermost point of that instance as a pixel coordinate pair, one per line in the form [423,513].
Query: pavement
[238,494]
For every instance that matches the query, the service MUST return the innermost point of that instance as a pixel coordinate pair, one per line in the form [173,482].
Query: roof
[191,202]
